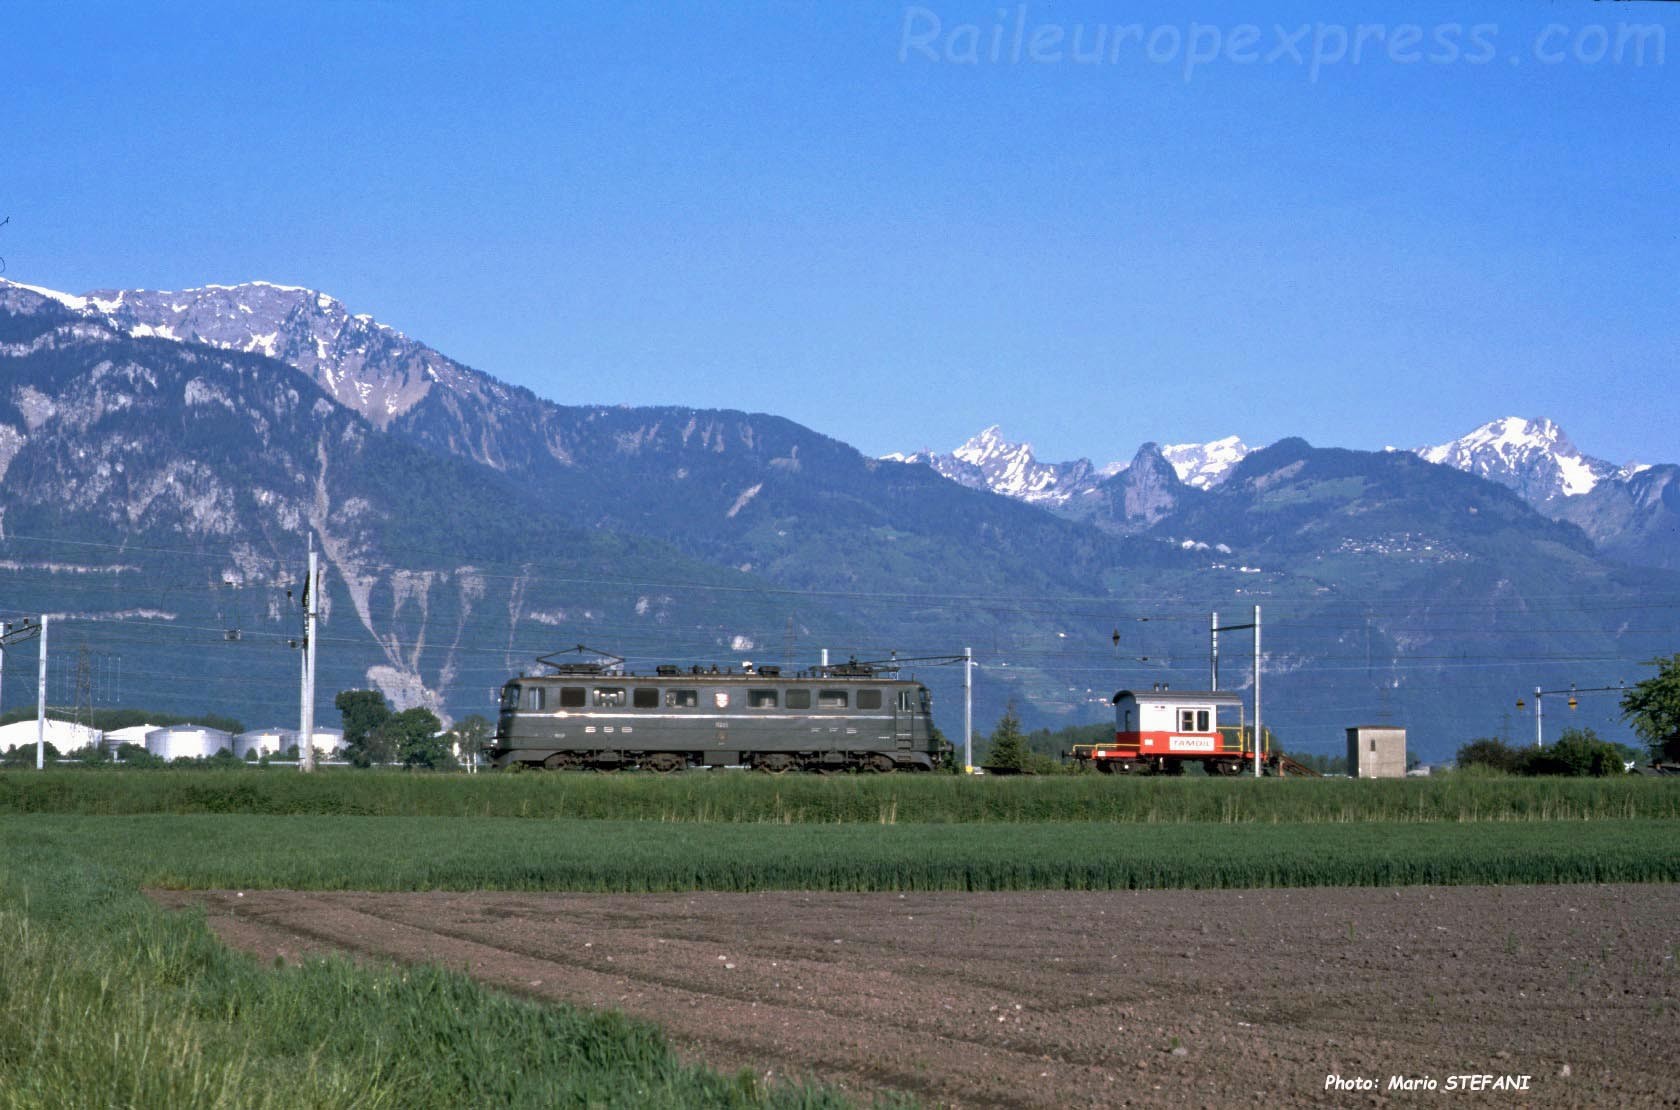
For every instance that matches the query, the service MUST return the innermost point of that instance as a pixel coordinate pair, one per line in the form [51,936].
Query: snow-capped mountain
[1532,457]
[1204,465]
[362,364]
[988,461]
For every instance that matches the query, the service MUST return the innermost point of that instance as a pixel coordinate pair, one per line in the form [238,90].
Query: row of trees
[374,733]
[1579,751]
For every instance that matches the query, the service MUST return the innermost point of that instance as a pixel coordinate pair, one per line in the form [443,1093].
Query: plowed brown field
[1077,999]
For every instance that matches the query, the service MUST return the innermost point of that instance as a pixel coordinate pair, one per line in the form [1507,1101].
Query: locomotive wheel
[774,764]
[881,764]
[665,762]
[562,761]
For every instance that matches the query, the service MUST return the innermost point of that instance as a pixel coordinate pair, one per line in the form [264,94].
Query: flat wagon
[1165,731]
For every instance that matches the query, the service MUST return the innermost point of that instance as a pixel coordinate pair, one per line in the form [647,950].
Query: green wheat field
[107,1000]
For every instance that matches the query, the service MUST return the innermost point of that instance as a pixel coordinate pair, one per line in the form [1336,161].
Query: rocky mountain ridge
[473,524]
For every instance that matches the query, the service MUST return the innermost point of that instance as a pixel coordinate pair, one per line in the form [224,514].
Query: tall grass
[730,797]
[107,1001]
[359,853]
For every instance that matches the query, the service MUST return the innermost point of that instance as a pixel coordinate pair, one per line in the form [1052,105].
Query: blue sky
[793,208]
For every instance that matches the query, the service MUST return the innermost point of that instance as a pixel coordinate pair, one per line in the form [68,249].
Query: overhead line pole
[1214,629]
[41,703]
[1213,649]
[306,728]
[1540,704]
[968,711]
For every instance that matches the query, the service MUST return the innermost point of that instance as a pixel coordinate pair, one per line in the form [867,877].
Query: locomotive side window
[831,699]
[645,697]
[798,699]
[533,698]
[571,697]
[609,696]
[869,699]
[761,699]
[682,699]
[905,702]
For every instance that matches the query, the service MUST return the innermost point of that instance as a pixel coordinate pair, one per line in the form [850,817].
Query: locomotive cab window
[682,699]
[510,697]
[571,697]
[798,699]
[869,699]
[533,698]
[609,696]
[761,699]
[645,697]
[831,699]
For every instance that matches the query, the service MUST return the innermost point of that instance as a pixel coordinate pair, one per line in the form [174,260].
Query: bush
[1490,754]
[1577,752]
[1008,753]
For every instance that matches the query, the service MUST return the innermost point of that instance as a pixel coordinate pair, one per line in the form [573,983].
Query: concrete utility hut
[1376,752]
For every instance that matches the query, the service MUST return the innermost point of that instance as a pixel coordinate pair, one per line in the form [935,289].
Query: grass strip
[731,797]
[106,1000]
[354,853]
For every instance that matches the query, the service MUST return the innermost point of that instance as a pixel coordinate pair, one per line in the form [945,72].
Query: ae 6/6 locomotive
[596,715]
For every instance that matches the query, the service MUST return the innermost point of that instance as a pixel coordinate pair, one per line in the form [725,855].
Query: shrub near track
[731,797]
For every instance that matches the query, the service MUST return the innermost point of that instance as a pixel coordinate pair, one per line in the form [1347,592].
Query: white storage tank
[193,741]
[133,734]
[66,736]
[329,742]
[259,742]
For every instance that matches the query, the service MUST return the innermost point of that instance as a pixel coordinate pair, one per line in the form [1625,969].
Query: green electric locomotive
[597,715]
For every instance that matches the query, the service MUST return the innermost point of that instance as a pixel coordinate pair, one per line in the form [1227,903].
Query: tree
[469,736]
[414,737]
[1490,754]
[1578,751]
[1008,753]
[1653,708]
[363,713]
[24,754]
